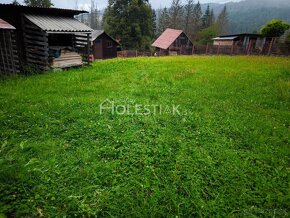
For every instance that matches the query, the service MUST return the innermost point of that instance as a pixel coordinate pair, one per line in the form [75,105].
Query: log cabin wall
[9,61]
[82,43]
[32,42]
[36,45]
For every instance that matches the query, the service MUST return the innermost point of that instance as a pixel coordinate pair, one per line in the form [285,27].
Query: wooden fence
[268,49]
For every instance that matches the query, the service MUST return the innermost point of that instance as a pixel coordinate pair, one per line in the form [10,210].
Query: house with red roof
[173,42]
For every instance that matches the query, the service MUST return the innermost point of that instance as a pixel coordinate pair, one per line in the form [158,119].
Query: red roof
[167,38]
[5,25]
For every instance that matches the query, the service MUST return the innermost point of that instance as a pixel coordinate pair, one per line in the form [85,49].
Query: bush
[275,28]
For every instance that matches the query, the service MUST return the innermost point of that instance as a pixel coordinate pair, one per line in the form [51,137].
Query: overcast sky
[85,4]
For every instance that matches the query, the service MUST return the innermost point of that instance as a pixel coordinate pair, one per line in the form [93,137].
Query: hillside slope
[250,15]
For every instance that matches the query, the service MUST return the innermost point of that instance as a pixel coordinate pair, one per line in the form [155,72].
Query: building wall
[223,42]
[182,45]
[104,47]
[9,61]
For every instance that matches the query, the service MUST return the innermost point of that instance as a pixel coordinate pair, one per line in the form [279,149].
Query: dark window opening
[109,44]
[61,40]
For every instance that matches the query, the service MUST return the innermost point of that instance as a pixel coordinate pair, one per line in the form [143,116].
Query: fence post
[206,49]
[232,51]
[218,50]
[249,47]
[271,45]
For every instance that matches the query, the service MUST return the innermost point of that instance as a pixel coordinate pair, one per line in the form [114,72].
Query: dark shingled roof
[167,38]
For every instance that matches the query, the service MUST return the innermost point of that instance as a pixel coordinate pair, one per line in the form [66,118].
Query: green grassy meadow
[226,154]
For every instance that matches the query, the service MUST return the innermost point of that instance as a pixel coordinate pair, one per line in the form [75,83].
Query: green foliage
[188,17]
[39,3]
[164,20]
[176,14]
[223,21]
[205,35]
[197,18]
[275,28]
[226,155]
[130,21]
[206,19]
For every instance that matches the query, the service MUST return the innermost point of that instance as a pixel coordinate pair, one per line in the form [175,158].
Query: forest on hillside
[250,15]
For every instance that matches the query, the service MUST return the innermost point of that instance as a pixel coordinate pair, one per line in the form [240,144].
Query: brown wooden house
[48,37]
[103,45]
[173,42]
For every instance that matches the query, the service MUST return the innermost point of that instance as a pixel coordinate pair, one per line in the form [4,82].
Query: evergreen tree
[163,20]
[197,19]
[211,18]
[39,3]
[130,21]
[206,18]
[154,23]
[176,13]
[223,21]
[188,17]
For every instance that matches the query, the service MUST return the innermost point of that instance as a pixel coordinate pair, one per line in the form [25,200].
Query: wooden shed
[9,63]
[103,45]
[242,40]
[173,42]
[48,37]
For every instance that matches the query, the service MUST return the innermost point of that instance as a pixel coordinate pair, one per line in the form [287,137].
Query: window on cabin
[109,44]
[182,40]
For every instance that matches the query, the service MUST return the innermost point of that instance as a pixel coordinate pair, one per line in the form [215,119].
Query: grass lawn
[226,154]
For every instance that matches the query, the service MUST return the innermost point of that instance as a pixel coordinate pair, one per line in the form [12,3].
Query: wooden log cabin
[9,61]
[48,38]
[173,42]
[103,45]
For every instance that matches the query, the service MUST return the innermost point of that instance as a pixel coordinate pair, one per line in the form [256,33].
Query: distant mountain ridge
[250,15]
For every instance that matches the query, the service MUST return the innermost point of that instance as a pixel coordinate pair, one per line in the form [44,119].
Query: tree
[131,22]
[223,21]
[206,18]
[211,18]
[176,12]
[197,19]
[154,23]
[94,24]
[275,28]
[206,35]
[163,20]
[188,17]
[15,2]
[39,3]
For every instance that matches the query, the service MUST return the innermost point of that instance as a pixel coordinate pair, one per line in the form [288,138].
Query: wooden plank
[36,43]
[38,63]
[37,57]
[30,32]
[38,38]
[38,53]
